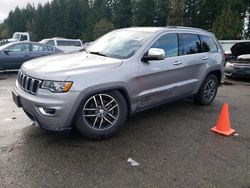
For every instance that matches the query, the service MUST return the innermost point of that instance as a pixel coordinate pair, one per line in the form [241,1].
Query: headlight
[57,87]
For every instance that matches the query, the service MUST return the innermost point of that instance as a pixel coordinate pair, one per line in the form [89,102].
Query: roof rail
[183,27]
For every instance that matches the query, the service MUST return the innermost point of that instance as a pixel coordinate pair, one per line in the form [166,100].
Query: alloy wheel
[100,112]
[210,90]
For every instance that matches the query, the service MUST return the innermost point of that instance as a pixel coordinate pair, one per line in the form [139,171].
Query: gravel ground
[173,145]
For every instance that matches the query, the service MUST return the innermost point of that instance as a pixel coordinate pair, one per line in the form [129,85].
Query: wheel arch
[91,91]
[217,73]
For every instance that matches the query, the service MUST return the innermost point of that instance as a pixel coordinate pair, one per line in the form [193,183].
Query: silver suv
[123,72]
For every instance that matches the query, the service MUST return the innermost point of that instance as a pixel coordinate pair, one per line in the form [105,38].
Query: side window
[208,44]
[189,44]
[38,48]
[169,43]
[23,37]
[51,43]
[50,49]
[19,48]
[68,43]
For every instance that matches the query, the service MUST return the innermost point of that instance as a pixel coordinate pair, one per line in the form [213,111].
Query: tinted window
[50,48]
[169,43]
[23,37]
[68,43]
[19,48]
[189,44]
[208,44]
[38,48]
[51,43]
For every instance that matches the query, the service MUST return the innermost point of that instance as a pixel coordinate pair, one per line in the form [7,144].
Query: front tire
[102,115]
[208,91]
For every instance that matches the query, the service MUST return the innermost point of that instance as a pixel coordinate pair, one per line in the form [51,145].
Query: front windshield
[120,44]
[16,36]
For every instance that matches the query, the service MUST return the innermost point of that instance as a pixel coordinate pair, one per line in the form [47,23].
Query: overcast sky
[7,5]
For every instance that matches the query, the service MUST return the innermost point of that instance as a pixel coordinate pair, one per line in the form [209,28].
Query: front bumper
[237,70]
[62,105]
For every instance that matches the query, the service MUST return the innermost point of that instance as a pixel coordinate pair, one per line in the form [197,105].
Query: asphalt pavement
[172,143]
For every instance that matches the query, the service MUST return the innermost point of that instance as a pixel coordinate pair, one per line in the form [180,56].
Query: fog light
[47,111]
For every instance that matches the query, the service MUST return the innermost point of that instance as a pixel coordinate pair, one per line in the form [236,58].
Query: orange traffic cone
[223,124]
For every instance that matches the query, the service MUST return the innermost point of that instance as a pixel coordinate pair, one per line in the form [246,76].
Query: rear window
[68,43]
[50,49]
[189,44]
[38,48]
[208,44]
[51,43]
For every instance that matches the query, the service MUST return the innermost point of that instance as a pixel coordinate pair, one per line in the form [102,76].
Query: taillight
[226,57]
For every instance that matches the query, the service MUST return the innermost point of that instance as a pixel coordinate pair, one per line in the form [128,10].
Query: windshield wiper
[97,53]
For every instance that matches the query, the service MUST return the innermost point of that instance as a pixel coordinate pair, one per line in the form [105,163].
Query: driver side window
[19,48]
[169,43]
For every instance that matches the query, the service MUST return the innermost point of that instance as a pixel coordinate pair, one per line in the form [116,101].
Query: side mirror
[7,51]
[154,54]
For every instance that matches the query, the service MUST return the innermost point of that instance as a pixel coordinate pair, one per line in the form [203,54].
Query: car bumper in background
[237,70]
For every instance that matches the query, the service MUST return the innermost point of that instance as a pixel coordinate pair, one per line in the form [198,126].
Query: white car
[66,45]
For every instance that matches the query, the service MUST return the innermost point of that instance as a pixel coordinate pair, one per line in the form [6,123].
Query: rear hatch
[241,52]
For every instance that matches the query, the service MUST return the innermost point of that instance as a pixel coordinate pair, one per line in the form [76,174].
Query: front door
[15,56]
[158,79]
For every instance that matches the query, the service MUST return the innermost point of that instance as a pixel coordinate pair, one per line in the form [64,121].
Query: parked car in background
[66,45]
[121,73]
[17,36]
[12,55]
[239,63]
[227,45]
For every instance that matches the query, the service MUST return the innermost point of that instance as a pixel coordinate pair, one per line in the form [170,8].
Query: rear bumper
[60,103]
[237,71]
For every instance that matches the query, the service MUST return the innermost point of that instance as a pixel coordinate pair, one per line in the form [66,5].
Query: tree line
[89,19]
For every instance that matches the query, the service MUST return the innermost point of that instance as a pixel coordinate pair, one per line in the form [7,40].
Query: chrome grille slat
[31,86]
[28,84]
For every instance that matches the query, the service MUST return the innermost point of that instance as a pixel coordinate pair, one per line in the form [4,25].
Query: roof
[167,28]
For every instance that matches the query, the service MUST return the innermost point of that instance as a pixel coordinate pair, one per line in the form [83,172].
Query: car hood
[12,40]
[60,67]
[240,48]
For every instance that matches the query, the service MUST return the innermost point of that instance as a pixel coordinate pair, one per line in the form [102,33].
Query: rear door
[39,50]
[17,55]
[192,63]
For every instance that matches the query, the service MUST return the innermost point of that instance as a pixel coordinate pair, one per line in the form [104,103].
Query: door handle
[177,63]
[204,58]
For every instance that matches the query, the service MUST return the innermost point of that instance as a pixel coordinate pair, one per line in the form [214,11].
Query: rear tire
[208,91]
[102,115]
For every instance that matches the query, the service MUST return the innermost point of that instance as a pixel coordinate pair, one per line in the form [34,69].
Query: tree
[229,24]
[177,12]
[162,8]
[80,18]
[144,13]
[102,27]
[122,13]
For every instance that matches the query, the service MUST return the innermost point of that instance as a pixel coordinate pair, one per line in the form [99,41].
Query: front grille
[27,83]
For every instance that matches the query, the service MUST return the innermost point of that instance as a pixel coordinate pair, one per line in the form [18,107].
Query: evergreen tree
[144,13]
[82,18]
[229,24]
[123,13]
